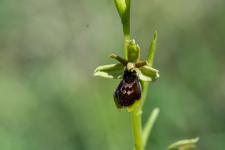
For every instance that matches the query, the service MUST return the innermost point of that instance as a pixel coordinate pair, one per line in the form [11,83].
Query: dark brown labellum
[128,91]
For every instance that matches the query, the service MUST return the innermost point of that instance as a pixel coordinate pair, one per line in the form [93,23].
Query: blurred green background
[49,99]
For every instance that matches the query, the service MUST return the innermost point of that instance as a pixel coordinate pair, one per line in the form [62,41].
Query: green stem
[137,128]
[126,19]
[126,40]
[126,27]
[137,120]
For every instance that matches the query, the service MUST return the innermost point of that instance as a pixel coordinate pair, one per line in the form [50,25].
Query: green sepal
[112,71]
[147,73]
[143,77]
[133,51]
[184,144]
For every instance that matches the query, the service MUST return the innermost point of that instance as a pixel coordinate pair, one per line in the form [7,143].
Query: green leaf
[149,125]
[149,72]
[133,51]
[184,144]
[112,71]
[152,48]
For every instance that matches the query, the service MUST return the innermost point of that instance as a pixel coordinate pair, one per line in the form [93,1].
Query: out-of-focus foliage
[49,99]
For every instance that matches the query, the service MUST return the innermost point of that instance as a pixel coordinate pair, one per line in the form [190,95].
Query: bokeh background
[49,99]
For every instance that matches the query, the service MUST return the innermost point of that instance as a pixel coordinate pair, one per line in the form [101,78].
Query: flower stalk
[137,128]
